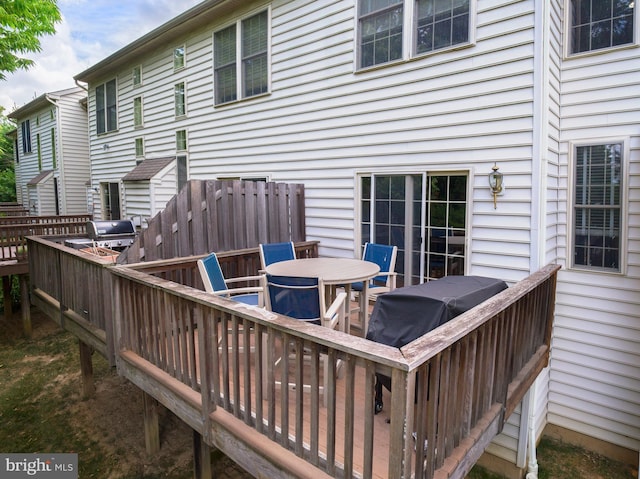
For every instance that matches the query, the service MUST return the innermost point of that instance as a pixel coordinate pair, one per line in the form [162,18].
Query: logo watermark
[45,466]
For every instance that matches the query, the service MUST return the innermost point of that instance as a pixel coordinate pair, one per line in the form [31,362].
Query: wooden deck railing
[212,362]
[74,288]
[452,389]
[15,229]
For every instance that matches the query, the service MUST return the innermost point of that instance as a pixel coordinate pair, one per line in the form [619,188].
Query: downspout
[539,185]
[532,467]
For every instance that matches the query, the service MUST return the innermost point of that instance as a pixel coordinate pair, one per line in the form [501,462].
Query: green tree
[22,22]
[7,173]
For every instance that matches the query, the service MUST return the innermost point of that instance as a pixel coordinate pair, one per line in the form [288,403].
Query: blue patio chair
[215,282]
[385,257]
[304,299]
[275,252]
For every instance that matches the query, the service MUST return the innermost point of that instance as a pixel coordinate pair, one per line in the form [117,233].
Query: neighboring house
[51,152]
[393,113]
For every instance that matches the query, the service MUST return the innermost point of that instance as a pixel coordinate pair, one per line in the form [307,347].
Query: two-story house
[51,153]
[394,114]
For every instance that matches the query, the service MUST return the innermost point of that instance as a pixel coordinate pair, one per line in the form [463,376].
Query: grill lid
[106,229]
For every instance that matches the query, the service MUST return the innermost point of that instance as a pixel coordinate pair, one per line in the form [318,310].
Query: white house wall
[73,153]
[595,369]
[61,112]
[461,110]
[41,124]
[323,124]
[137,196]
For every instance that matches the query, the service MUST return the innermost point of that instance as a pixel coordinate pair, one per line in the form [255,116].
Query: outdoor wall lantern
[495,183]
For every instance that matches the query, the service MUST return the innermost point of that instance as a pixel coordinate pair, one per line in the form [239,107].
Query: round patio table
[333,272]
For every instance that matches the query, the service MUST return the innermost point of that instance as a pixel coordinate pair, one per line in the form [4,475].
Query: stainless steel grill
[115,235]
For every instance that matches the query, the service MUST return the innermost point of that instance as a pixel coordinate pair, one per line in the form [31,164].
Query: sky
[90,31]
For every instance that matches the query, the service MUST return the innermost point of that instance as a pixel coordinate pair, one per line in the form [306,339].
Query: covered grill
[405,314]
[113,234]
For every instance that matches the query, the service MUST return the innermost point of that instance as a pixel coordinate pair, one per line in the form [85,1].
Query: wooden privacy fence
[217,215]
[212,361]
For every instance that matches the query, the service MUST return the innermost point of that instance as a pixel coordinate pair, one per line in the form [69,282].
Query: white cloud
[91,30]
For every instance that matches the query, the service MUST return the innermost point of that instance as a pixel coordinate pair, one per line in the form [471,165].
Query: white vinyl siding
[503,99]
[595,362]
[159,189]
[64,148]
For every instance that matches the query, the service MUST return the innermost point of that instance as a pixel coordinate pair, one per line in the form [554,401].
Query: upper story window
[39,151]
[139,147]
[137,112]
[106,107]
[137,76]
[178,58]
[381,23]
[441,24]
[597,24]
[179,99]
[241,59]
[597,206]
[181,140]
[435,25]
[54,159]
[25,128]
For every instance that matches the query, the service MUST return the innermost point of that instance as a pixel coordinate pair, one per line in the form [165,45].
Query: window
[441,24]
[178,58]
[137,76]
[110,201]
[435,25]
[53,148]
[182,171]
[39,146]
[139,147]
[380,31]
[181,140]
[26,136]
[597,206]
[597,24]
[137,112]
[241,60]
[106,108]
[179,99]
[424,215]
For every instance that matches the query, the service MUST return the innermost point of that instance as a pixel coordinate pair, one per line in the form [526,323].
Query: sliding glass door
[424,215]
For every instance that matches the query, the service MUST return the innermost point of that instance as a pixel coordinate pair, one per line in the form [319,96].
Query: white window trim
[600,51]
[409,28]
[573,145]
[238,23]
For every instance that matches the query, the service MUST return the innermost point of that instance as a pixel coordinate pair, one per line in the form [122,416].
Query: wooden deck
[210,361]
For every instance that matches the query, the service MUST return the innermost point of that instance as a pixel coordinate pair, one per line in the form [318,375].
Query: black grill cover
[405,314]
